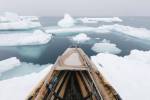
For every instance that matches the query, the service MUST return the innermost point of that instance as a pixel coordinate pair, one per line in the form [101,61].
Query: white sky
[77,7]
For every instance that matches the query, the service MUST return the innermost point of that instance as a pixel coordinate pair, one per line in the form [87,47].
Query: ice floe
[8,64]
[106,47]
[23,68]
[96,20]
[18,88]
[67,21]
[141,33]
[11,21]
[14,39]
[11,17]
[129,75]
[19,25]
[71,29]
[82,37]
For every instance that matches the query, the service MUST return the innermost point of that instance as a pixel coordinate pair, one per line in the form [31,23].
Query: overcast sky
[77,7]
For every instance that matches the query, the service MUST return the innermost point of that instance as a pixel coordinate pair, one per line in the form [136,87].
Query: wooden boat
[74,77]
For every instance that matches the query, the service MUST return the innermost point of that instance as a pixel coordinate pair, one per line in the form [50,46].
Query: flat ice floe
[19,88]
[106,47]
[82,37]
[141,33]
[129,75]
[10,16]
[67,21]
[96,20]
[11,21]
[75,29]
[19,25]
[8,64]
[71,29]
[14,39]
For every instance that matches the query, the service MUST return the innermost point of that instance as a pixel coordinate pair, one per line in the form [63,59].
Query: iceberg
[82,37]
[8,64]
[16,39]
[21,85]
[96,20]
[105,47]
[67,21]
[128,74]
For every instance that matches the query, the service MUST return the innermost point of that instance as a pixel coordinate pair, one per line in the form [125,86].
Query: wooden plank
[62,92]
[82,86]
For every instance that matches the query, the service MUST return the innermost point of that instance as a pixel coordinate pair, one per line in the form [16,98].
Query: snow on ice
[14,39]
[18,88]
[106,47]
[8,64]
[129,75]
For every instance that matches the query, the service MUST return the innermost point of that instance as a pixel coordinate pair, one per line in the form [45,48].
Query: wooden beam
[82,85]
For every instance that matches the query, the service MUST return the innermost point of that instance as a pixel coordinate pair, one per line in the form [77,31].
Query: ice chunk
[106,47]
[8,64]
[82,37]
[128,75]
[18,88]
[96,20]
[15,39]
[67,21]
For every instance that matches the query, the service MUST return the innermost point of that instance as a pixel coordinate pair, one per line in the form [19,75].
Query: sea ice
[11,21]
[18,88]
[8,64]
[71,29]
[106,47]
[82,37]
[67,21]
[128,75]
[11,17]
[15,39]
[96,20]
[24,68]
[141,33]
[19,25]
